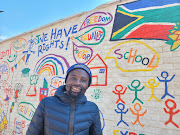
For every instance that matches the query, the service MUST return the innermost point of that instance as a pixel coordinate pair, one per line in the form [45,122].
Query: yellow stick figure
[152,85]
[138,110]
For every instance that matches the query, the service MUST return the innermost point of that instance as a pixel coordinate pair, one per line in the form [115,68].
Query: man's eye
[83,80]
[73,78]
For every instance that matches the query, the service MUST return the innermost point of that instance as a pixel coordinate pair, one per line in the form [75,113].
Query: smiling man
[68,112]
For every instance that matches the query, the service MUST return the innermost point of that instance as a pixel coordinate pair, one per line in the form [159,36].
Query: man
[68,112]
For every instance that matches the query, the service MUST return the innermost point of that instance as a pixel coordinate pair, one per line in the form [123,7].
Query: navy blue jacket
[58,115]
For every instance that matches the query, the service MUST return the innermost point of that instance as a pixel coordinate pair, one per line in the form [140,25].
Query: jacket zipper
[71,121]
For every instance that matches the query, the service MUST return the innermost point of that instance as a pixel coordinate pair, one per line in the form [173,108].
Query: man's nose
[77,81]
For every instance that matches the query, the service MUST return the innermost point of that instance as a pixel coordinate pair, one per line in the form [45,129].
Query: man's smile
[75,89]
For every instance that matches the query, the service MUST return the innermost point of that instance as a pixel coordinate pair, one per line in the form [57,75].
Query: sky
[21,16]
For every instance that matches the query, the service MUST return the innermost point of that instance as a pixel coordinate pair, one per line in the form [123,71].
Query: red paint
[171,113]
[151,31]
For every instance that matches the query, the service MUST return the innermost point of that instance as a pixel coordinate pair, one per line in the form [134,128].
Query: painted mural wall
[132,49]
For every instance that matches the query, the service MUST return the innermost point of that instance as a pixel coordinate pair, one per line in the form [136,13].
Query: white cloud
[3,38]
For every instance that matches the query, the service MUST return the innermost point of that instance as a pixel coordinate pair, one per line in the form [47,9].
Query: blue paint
[74,30]
[119,110]
[165,81]
[55,34]
[43,38]
[51,58]
[67,43]
[67,34]
[124,133]
[148,3]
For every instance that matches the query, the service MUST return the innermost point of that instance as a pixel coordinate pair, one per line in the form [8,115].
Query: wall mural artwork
[4,70]
[32,88]
[19,44]
[18,127]
[165,81]
[127,57]
[98,71]
[152,85]
[82,54]
[135,87]
[119,93]
[122,111]
[174,37]
[93,36]
[132,49]
[97,19]
[137,112]
[171,112]
[136,20]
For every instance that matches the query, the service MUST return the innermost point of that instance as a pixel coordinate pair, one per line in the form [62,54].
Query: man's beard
[73,94]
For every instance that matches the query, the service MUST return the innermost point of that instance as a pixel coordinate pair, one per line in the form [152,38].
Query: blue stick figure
[121,112]
[28,52]
[165,81]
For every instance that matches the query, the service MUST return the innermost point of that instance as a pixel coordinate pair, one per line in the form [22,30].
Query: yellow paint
[138,18]
[115,131]
[20,42]
[152,85]
[134,70]
[45,70]
[176,38]
[83,52]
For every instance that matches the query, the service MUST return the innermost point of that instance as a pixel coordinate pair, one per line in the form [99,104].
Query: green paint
[53,63]
[45,84]
[78,38]
[160,15]
[27,104]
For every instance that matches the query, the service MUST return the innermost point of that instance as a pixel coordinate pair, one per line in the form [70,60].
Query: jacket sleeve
[36,126]
[95,128]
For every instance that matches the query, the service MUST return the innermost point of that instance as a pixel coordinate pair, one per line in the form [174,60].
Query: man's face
[77,83]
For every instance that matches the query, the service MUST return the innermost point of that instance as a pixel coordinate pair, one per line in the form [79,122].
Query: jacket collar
[62,95]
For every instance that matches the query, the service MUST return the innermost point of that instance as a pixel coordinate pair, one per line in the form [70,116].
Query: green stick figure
[135,86]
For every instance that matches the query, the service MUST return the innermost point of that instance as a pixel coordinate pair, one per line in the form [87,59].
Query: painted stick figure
[138,110]
[136,89]
[31,42]
[8,90]
[171,113]
[165,81]
[152,85]
[17,89]
[121,112]
[119,93]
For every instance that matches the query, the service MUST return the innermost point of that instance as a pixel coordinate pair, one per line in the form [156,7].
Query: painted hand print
[96,94]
